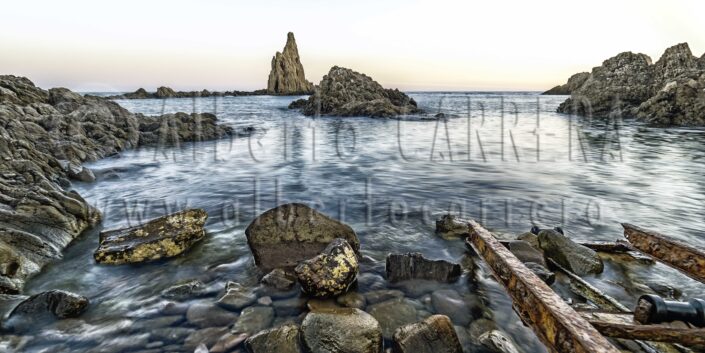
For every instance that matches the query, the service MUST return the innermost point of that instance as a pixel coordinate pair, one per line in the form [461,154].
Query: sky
[412,45]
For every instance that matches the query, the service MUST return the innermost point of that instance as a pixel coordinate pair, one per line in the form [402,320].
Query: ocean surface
[505,159]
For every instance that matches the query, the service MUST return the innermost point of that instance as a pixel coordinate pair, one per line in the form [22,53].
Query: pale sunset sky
[412,45]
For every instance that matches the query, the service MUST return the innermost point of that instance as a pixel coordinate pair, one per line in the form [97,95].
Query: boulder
[185,290]
[577,258]
[285,235]
[341,331]
[206,314]
[159,238]
[498,342]
[525,252]
[254,319]
[344,92]
[287,75]
[574,82]
[165,92]
[449,227]
[284,339]
[279,279]
[56,304]
[432,335]
[401,267]
[393,314]
[236,296]
[331,273]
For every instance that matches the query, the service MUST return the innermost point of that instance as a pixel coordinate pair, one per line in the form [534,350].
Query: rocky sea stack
[287,76]
[670,92]
[344,92]
[45,136]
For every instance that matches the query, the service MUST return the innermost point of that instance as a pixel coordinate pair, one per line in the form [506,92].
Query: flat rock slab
[433,335]
[402,267]
[159,238]
[285,235]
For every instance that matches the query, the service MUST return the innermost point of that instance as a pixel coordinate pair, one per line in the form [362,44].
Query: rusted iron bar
[555,323]
[674,253]
[690,337]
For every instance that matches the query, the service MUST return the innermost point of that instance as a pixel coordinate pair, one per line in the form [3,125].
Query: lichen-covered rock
[402,267]
[287,75]
[283,236]
[432,335]
[666,93]
[574,82]
[330,273]
[341,330]
[577,258]
[34,310]
[159,238]
[344,92]
[284,339]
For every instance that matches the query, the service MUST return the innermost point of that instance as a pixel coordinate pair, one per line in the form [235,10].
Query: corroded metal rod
[554,321]
[672,252]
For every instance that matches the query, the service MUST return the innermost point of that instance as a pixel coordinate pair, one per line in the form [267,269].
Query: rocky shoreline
[45,137]
[669,92]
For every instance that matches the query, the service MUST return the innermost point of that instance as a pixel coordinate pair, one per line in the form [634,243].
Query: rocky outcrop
[285,235]
[666,93]
[44,134]
[450,226]
[166,92]
[402,267]
[433,335]
[574,82]
[331,273]
[341,330]
[163,237]
[55,303]
[344,92]
[577,258]
[287,75]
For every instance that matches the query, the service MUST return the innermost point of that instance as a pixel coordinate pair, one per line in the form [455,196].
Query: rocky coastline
[167,92]
[669,92]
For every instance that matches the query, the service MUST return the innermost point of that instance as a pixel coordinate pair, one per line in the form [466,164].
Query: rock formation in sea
[287,75]
[344,92]
[669,92]
[167,92]
[574,82]
[43,136]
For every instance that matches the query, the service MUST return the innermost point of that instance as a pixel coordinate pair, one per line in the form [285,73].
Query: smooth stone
[569,254]
[378,296]
[321,304]
[449,302]
[279,279]
[206,314]
[254,319]
[208,336]
[435,334]
[330,273]
[284,339]
[531,238]
[289,307]
[393,314]
[186,290]
[352,300]
[228,342]
[171,334]
[236,297]
[497,341]
[264,301]
[343,330]
[525,252]
[401,267]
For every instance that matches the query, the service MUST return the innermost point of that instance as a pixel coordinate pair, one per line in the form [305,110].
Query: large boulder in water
[51,304]
[287,75]
[575,257]
[402,267]
[433,335]
[331,273]
[288,234]
[344,92]
[342,330]
[284,339]
[159,238]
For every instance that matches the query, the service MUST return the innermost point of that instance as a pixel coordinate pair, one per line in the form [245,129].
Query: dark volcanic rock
[284,339]
[42,132]
[287,75]
[35,309]
[344,92]
[177,128]
[331,273]
[401,267]
[159,238]
[342,330]
[288,234]
[433,335]
[666,93]
[575,257]
[166,92]
[574,82]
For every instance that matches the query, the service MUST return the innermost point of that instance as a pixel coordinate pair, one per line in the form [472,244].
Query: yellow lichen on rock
[330,273]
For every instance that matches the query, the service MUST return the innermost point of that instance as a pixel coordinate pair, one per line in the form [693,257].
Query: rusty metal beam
[555,323]
[674,253]
[690,337]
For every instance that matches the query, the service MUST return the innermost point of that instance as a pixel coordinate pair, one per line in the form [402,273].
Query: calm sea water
[505,159]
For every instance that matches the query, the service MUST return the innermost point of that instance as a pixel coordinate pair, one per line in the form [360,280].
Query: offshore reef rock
[451,227]
[666,93]
[37,308]
[402,267]
[344,92]
[173,129]
[167,92]
[574,82]
[577,258]
[287,76]
[285,235]
[433,335]
[159,238]
[330,273]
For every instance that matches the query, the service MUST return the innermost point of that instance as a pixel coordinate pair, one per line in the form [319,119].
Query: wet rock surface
[56,304]
[284,339]
[40,128]
[433,335]
[666,93]
[344,92]
[393,314]
[341,330]
[449,226]
[331,273]
[569,254]
[287,74]
[236,296]
[285,235]
[159,238]
[279,279]
[401,267]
